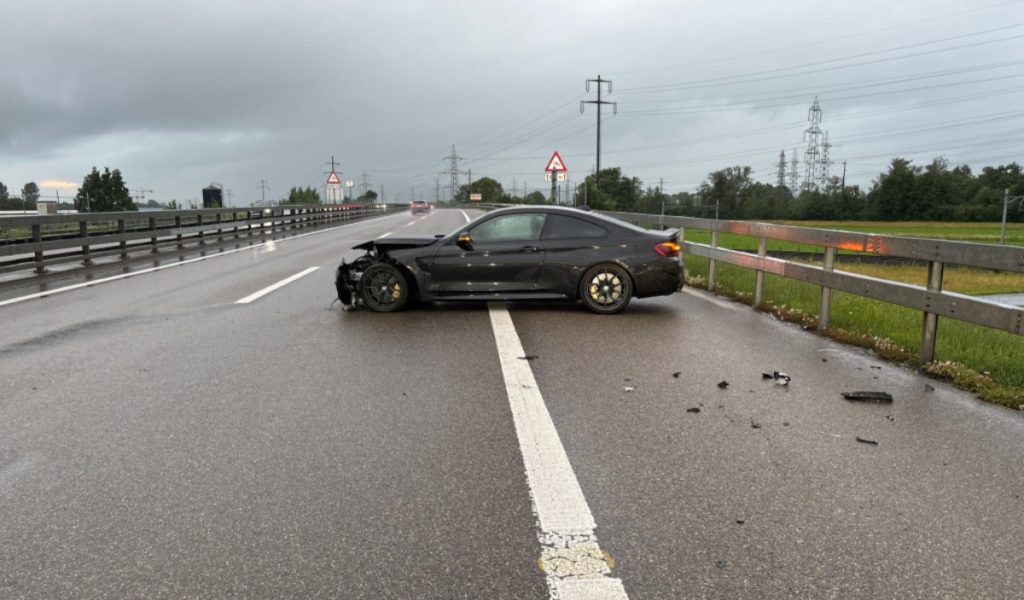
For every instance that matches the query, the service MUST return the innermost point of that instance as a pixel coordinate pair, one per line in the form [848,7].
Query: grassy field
[982,233]
[976,358]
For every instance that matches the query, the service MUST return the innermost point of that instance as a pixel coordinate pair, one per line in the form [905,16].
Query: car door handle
[529,249]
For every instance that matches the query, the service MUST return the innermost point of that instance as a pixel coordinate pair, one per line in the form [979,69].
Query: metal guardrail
[41,240]
[931,300]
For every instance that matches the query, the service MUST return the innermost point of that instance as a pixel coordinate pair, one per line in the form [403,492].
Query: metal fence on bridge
[931,299]
[32,243]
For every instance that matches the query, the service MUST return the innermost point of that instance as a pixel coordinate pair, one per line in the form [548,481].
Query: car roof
[571,212]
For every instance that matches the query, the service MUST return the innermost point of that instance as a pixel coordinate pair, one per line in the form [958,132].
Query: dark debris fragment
[529,357]
[720,564]
[754,424]
[866,441]
[723,384]
[677,374]
[876,397]
[693,410]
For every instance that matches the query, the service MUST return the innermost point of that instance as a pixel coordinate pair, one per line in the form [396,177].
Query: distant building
[213,196]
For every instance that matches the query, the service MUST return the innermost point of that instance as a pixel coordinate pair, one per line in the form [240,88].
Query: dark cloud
[179,94]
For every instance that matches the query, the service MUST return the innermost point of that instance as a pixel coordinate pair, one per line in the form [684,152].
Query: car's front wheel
[383,288]
[606,289]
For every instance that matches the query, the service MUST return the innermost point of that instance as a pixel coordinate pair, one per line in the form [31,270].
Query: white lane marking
[709,297]
[465,215]
[386,234]
[279,284]
[410,223]
[86,284]
[573,562]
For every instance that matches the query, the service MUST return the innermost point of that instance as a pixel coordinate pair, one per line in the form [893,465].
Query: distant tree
[103,192]
[725,191]
[609,189]
[489,189]
[30,195]
[536,197]
[891,195]
[298,195]
[368,198]
[3,191]
[173,205]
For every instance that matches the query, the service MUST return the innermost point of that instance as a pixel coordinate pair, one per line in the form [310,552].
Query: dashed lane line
[280,284]
[573,562]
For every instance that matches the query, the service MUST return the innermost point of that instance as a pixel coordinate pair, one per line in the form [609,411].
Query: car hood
[394,243]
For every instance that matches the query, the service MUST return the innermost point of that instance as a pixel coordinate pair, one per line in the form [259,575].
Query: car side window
[509,228]
[561,227]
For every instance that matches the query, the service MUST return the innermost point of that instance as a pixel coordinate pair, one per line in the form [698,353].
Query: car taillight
[667,249]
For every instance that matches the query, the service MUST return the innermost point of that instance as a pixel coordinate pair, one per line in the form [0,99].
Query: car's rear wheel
[606,289]
[383,288]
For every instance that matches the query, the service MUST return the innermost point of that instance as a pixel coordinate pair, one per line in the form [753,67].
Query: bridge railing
[931,300]
[35,242]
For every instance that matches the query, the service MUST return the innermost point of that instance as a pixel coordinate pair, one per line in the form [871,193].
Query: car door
[571,244]
[505,256]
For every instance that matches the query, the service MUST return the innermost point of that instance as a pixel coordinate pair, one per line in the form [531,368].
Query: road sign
[555,164]
[558,176]
[333,181]
[476,197]
[349,183]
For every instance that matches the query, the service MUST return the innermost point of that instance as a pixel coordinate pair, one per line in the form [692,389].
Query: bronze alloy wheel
[606,289]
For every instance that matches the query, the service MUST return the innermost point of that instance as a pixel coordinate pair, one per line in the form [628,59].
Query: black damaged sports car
[520,253]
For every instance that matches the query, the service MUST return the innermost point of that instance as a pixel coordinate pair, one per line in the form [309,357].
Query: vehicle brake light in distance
[667,249]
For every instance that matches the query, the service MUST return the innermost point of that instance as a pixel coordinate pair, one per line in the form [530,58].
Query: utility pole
[437,190]
[230,195]
[140,195]
[453,171]
[661,194]
[844,179]
[794,174]
[599,103]
[812,155]
[264,187]
[1007,199]
[782,168]
[365,184]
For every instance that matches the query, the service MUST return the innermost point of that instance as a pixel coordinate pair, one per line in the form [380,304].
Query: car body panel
[439,268]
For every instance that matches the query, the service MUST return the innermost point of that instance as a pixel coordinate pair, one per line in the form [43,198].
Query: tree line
[904,192]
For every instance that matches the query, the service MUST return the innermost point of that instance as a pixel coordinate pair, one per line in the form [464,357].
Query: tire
[383,288]
[606,289]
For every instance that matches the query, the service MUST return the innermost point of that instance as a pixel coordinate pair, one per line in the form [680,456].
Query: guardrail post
[177,225]
[762,251]
[37,238]
[199,222]
[152,240]
[83,232]
[712,262]
[826,292]
[930,325]
[220,231]
[123,244]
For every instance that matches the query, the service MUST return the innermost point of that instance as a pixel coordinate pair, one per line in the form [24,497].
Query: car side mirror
[465,241]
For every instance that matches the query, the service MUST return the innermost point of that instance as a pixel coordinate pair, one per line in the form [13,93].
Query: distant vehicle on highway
[521,253]
[419,206]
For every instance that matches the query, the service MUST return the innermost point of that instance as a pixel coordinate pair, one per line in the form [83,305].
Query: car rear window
[560,227]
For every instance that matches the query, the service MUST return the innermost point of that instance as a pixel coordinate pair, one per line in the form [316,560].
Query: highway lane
[159,440]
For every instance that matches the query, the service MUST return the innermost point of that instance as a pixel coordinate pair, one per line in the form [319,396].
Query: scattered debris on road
[528,357]
[929,387]
[876,397]
[876,367]
[778,377]
[866,441]
[824,360]
[693,410]
[890,417]
[723,384]
[740,521]
[629,389]
[754,424]
[720,564]
[677,374]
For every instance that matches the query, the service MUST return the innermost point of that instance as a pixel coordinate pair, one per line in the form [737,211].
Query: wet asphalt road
[159,440]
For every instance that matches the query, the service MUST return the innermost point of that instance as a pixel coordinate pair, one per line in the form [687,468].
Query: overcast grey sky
[179,94]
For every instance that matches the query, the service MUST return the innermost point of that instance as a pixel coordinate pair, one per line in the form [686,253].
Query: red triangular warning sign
[555,164]
[333,179]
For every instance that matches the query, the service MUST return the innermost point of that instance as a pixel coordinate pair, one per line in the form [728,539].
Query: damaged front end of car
[390,282]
